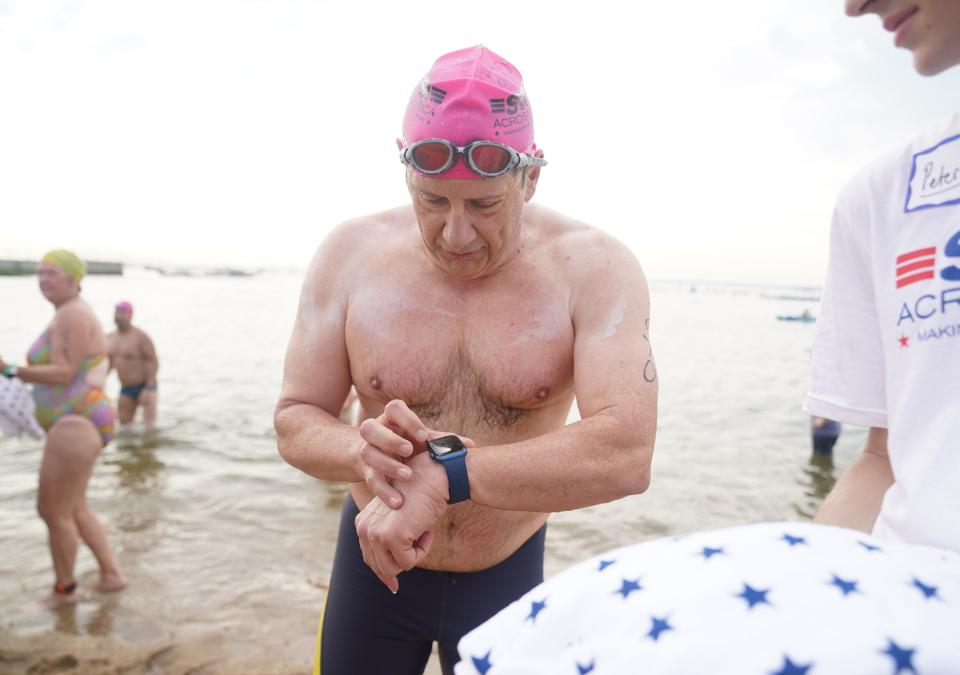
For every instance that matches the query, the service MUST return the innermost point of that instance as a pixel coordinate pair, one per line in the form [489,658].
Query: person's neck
[60,303]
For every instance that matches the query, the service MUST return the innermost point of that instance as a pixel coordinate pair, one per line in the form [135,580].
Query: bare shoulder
[72,314]
[584,251]
[341,254]
[142,335]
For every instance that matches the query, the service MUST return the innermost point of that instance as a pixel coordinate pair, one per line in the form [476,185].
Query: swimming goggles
[433,156]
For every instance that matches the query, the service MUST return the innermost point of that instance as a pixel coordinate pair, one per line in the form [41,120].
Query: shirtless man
[474,315]
[132,354]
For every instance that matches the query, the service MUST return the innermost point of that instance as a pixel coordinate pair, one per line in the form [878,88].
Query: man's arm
[316,381]
[607,454]
[111,336]
[151,362]
[316,374]
[855,500]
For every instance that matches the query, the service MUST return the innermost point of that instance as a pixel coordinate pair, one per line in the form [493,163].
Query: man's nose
[458,232]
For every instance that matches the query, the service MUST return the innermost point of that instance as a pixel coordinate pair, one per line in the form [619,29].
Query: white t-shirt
[887,349]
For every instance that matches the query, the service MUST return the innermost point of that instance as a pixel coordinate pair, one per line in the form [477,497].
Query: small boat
[805,317]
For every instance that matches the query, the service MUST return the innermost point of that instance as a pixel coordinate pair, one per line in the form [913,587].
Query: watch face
[445,445]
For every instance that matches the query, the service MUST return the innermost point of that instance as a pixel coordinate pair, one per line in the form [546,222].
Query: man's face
[928,28]
[122,318]
[470,228]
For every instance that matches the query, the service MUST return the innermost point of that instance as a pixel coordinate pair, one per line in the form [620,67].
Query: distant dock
[12,268]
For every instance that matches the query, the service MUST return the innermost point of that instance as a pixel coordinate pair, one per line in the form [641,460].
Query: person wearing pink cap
[468,321]
[133,355]
[888,333]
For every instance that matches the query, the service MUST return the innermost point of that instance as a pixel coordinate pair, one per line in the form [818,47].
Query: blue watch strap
[457,479]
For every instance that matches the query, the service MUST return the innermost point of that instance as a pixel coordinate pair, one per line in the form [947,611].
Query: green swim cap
[67,261]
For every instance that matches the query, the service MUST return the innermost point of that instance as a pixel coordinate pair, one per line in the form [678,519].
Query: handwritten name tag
[935,176]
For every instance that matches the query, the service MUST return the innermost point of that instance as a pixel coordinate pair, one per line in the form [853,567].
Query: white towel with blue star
[17,409]
[764,599]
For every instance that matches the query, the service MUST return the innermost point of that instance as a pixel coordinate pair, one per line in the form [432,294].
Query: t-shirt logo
[934,176]
[915,266]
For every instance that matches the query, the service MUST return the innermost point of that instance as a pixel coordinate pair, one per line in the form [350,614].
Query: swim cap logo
[428,92]
[437,94]
[510,105]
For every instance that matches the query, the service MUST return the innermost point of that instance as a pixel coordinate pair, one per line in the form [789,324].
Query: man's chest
[492,357]
[124,348]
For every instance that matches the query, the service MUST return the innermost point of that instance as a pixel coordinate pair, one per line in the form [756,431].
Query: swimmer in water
[134,357]
[67,366]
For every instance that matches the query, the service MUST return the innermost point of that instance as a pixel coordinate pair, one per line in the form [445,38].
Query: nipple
[542,393]
[375,382]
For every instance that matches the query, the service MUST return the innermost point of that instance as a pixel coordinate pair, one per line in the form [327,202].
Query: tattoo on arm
[649,368]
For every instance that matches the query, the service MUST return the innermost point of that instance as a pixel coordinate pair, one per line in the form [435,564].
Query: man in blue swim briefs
[133,355]
[467,320]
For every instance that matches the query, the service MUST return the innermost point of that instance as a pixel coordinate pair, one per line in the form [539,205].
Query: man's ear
[533,175]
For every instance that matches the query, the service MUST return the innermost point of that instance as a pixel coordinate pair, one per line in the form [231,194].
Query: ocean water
[217,534]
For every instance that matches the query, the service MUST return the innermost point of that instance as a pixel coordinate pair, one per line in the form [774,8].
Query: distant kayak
[803,318]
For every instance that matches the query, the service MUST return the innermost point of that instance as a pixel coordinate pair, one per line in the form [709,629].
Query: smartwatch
[451,453]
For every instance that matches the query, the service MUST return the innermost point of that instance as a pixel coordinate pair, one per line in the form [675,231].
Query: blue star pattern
[629,586]
[753,596]
[536,607]
[658,626]
[708,552]
[928,591]
[708,615]
[846,587]
[793,541]
[791,668]
[483,663]
[902,658]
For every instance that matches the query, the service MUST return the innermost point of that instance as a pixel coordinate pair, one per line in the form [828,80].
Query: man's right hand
[387,441]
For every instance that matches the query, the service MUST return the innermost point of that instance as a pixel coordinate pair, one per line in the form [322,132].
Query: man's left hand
[397,540]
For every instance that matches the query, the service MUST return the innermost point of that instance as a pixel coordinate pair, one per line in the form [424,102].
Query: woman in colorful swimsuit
[67,367]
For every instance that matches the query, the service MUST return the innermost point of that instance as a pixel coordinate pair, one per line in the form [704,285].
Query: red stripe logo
[915,266]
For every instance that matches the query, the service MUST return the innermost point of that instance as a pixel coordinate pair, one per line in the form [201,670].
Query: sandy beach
[209,654]
[86,655]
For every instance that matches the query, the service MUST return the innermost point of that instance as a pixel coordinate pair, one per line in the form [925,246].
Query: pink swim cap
[470,95]
[125,307]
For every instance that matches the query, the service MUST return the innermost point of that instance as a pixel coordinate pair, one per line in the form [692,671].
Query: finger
[421,547]
[365,553]
[397,412]
[382,463]
[380,487]
[378,435]
[385,566]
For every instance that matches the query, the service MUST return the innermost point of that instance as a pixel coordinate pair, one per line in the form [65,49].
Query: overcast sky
[710,136]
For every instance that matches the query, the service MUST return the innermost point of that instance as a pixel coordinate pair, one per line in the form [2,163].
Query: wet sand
[83,655]
[207,654]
